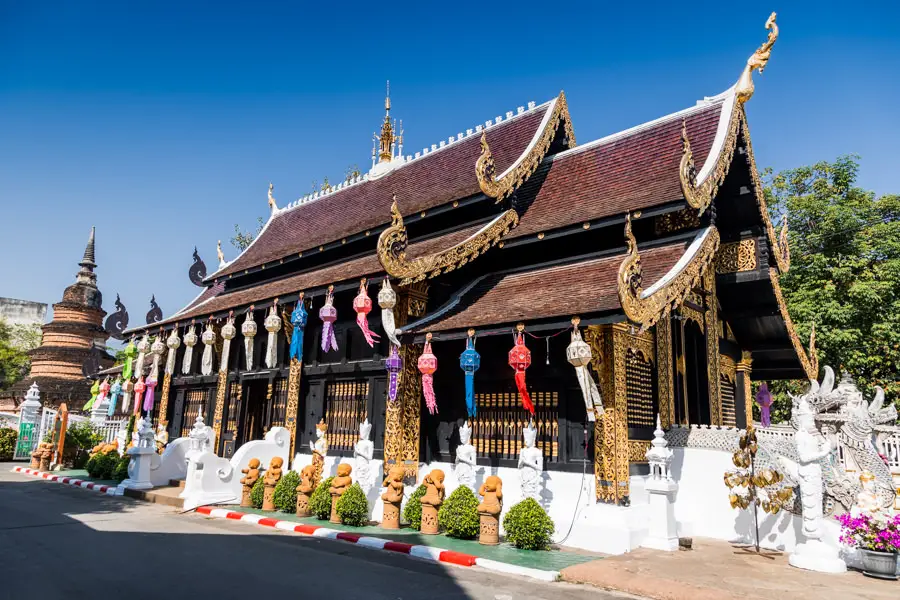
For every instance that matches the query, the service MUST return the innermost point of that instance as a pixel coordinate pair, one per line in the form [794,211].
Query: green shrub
[8,438]
[258,492]
[412,512]
[528,526]
[121,472]
[458,515]
[353,507]
[82,435]
[103,466]
[286,492]
[91,465]
[320,501]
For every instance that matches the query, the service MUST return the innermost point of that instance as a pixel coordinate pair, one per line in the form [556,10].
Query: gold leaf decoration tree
[752,487]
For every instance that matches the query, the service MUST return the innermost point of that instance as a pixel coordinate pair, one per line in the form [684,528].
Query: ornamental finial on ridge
[757,61]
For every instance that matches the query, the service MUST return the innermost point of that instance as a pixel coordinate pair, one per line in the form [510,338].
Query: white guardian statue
[465,458]
[531,464]
[362,454]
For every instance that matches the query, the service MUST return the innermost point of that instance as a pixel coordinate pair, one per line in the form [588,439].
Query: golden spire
[386,139]
[757,62]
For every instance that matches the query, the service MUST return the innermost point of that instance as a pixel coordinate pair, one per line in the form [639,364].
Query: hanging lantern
[127,391]
[172,342]
[229,331]
[114,392]
[362,304]
[149,398]
[273,326]
[130,353]
[157,348]
[104,391]
[328,314]
[394,365]
[427,367]
[143,347]
[248,330]
[579,355]
[470,361]
[139,388]
[208,338]
[299,319]
[95,391]
[190,340]
[519,360]
[387,300]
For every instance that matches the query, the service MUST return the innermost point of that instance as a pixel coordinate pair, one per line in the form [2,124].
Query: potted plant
[878,539]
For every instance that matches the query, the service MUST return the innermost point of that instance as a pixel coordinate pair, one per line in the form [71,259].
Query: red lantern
[519,360]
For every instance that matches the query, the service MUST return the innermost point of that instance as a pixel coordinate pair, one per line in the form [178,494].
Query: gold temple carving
[516,175]
[757,62]
[735,257]
[393,241]
[811,368]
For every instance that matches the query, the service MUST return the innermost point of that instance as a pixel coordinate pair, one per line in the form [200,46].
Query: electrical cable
[580,489]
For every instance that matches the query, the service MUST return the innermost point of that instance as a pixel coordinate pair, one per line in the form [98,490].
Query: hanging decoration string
[394,365]
[427,366]
[190,340]
[273,325]
[299,318]
[229,332]
[387,300]
[248,330]
[520,360]
[362,304]
[208,338]
[95,391]
[579,355]
[172,342]
[149,398]
[127,391]
[143,348]
[130,352]
[139,388]
[328,314]
[114,392]
[157,348]
[469,362]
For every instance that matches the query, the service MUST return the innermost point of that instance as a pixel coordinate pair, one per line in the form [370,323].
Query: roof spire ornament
[86,273]
[220,254]
[757,61]
[385,143]
[272,204]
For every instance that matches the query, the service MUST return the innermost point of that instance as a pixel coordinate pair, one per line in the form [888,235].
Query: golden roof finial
[272,204]
[386,139]
[757,61]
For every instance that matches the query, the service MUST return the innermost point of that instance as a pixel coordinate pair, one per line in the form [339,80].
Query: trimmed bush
[8,437]
[528,526]
[320,501]
[105,466]
[352,507]
[121,472]
[91,465]
[412,512]
[286,492]
[258,492]
[458,515]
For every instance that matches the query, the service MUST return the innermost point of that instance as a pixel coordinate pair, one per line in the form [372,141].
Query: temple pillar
[221,390]
[742,388]
[665,375]
[164,399]
[711,319]
[293,400]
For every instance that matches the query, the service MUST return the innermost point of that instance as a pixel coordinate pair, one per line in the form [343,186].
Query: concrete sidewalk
[716,570]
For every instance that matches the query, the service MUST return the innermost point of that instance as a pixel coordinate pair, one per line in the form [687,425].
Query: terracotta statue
[431,501]
[340,484]
[531,464]
[465,458]
[305,489]
[489,510]
[251,474]
[36,456]
[393,497]
[363,452]
[319,449]
[271,479]
[46,454]
[867,499]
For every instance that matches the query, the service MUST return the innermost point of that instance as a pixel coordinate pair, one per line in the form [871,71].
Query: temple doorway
[257,402]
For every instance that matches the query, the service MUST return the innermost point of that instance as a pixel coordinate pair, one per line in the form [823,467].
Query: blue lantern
[469,361]
[298,320]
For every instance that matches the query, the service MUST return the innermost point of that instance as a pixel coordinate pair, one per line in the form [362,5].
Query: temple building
[73,344]
[656,238]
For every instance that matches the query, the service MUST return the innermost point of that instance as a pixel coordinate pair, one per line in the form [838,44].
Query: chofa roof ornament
[757,62]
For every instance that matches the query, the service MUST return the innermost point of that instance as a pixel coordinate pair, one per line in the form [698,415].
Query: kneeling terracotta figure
[340,484]
[305,489]
[431,501]
[393,497]
[271,479]
[489,510]
[251,475]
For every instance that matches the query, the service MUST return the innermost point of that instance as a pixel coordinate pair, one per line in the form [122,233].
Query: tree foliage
[15,342]
[844,275]
[242,239]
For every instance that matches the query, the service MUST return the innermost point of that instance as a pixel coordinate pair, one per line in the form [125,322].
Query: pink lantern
[362,304]
[427,366]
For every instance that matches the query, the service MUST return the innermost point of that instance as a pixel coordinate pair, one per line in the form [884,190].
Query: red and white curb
[424,552]
[109,490]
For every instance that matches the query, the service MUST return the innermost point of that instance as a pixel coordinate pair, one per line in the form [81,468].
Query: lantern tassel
[170,361]
[428,390]
[139,388]
[129,360]
[95,391]
[470,393]
[149,397]
[114,392]
[394,364]
[392,386]
[390,328]
[363,322]
[526,399]
[328,314]
[127,388]
[272,350]
[206,366]
[328,338]
[592,399]
[226,350]
[298,319]
[387,300]
[248,350]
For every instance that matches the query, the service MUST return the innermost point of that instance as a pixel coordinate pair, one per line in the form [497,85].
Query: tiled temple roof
[444,174]
[578,288]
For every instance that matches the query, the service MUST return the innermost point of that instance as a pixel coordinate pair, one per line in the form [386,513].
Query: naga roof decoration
[647,306]
[508,181]
[393,240]
[757,62]
[810,362]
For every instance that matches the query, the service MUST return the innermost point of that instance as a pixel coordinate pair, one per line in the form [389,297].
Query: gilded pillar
[664,372]
[164,398]
[744,369]
[293,400]
[711,318]
[221,391]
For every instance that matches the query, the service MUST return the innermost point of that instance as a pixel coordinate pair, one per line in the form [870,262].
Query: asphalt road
[61,542]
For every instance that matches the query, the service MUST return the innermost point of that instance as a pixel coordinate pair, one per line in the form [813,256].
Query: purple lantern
[393,364]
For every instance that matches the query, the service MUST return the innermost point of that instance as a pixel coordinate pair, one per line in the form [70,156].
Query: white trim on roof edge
[679,266]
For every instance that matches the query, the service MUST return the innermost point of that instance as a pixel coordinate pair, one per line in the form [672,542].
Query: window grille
[345,409]
[639,390]
[234,404]
[728,407]
[194,401]
[279,402]
[497,428]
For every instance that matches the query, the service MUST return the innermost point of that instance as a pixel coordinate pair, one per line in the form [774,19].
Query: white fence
[9,420]
[108,430]
[889,445]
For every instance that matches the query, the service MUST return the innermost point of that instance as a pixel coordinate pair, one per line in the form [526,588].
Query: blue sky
[163,123]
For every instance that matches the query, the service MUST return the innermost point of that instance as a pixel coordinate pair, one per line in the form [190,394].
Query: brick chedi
[73,345]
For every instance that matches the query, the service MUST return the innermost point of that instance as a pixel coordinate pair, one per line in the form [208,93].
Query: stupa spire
[87,264]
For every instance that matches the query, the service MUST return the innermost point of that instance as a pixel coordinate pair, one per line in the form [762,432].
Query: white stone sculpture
[662,528]
[363,452]
[141,458]
[146,437]
[162,436]
[171,465]
[867,499]
[531,464]
[811,554]
[465,458]
[201,437]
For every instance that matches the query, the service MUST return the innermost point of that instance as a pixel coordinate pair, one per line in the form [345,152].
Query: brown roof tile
[437,178]
[576,289]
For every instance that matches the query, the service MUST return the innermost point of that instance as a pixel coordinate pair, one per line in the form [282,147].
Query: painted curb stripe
[267,521]
[348,537]
[398,547]
[87,485]
[306,529]
[457,558]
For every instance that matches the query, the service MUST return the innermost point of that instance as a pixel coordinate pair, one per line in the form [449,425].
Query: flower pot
[882,565]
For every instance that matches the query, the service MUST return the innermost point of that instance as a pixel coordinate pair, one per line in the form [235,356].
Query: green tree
[844,275]
[242,239]
[14,359]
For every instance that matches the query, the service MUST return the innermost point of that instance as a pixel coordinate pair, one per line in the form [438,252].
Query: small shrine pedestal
[662,529]
[302,504]
[268,497]
[139,468]
[489,529]
[429,520]
[245,496]
[390,518]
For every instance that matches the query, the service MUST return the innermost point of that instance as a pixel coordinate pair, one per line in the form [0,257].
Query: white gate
[110,429]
